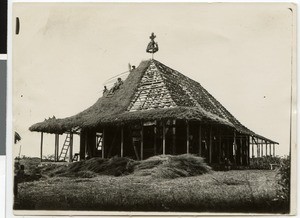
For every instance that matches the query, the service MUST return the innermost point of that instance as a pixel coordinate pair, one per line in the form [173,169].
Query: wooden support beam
[71,148]
[252,146]
[155,140]
[274,150]
[142,142]
[235,146]
[187,137]
[57,150]
[266,143]
[164,138]
[270,149]
[220,146]
[82,145]
[56,147]
[174,138]
[86,144]
[229,150]
[257,146]
[241,151]
[248,150]
[122,141]
[94,143]
[262,150]
[200,140]
[103,143]
[210,145]
[42,141]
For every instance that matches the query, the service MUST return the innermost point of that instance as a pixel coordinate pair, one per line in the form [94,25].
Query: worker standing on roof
[117,84]
[105,90]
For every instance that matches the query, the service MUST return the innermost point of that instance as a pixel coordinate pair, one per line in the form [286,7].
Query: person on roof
[120,82]
[105,90]
[117,84]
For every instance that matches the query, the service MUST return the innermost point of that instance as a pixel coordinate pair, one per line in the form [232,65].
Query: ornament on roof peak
[152,45]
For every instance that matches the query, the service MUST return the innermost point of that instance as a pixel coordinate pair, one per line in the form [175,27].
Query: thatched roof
[152,91]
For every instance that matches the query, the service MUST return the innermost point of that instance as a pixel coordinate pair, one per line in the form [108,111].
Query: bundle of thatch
[161,167]
[115,166]
[170,167]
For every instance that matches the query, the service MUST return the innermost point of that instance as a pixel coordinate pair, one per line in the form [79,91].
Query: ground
[222,191]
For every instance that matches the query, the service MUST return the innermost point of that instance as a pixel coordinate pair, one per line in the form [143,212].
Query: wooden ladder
[65,148]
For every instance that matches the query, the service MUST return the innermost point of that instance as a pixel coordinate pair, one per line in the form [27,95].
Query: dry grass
[161,183]
[232,191]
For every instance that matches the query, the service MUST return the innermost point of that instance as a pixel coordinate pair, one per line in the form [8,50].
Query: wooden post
[247,150]
[229,150]
[252,145]
[174,137]
[56,147]
[210,145]
[164,138]
[57,150]
[220,146]
[41,146]
[155,139]
[142,142]
[103,144]
[266,143]
[200,140]
[86,144]
[262,148]
[257,148]
[274,150]
[82,145]
[235,146]
[250,148]
[122,141]
[187,137]
[71,148]
[270,149]
[241,150]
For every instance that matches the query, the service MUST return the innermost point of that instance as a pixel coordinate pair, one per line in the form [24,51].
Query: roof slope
[151,91]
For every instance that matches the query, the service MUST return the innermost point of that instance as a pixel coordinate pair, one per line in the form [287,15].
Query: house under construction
[156,110]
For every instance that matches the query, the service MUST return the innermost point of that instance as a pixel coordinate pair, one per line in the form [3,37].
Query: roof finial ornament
[152,46]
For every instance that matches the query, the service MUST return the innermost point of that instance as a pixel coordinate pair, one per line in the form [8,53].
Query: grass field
[230,191]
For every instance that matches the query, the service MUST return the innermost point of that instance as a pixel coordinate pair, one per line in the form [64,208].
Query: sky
[64,53]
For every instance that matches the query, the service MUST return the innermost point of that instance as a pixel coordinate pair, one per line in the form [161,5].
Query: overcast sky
[241,53]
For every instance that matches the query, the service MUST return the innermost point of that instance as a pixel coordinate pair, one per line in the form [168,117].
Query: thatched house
[157,110]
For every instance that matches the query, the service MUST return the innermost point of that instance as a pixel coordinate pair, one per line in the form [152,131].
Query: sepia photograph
[153,107]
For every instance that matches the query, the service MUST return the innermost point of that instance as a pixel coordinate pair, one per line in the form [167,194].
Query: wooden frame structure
[216,143]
